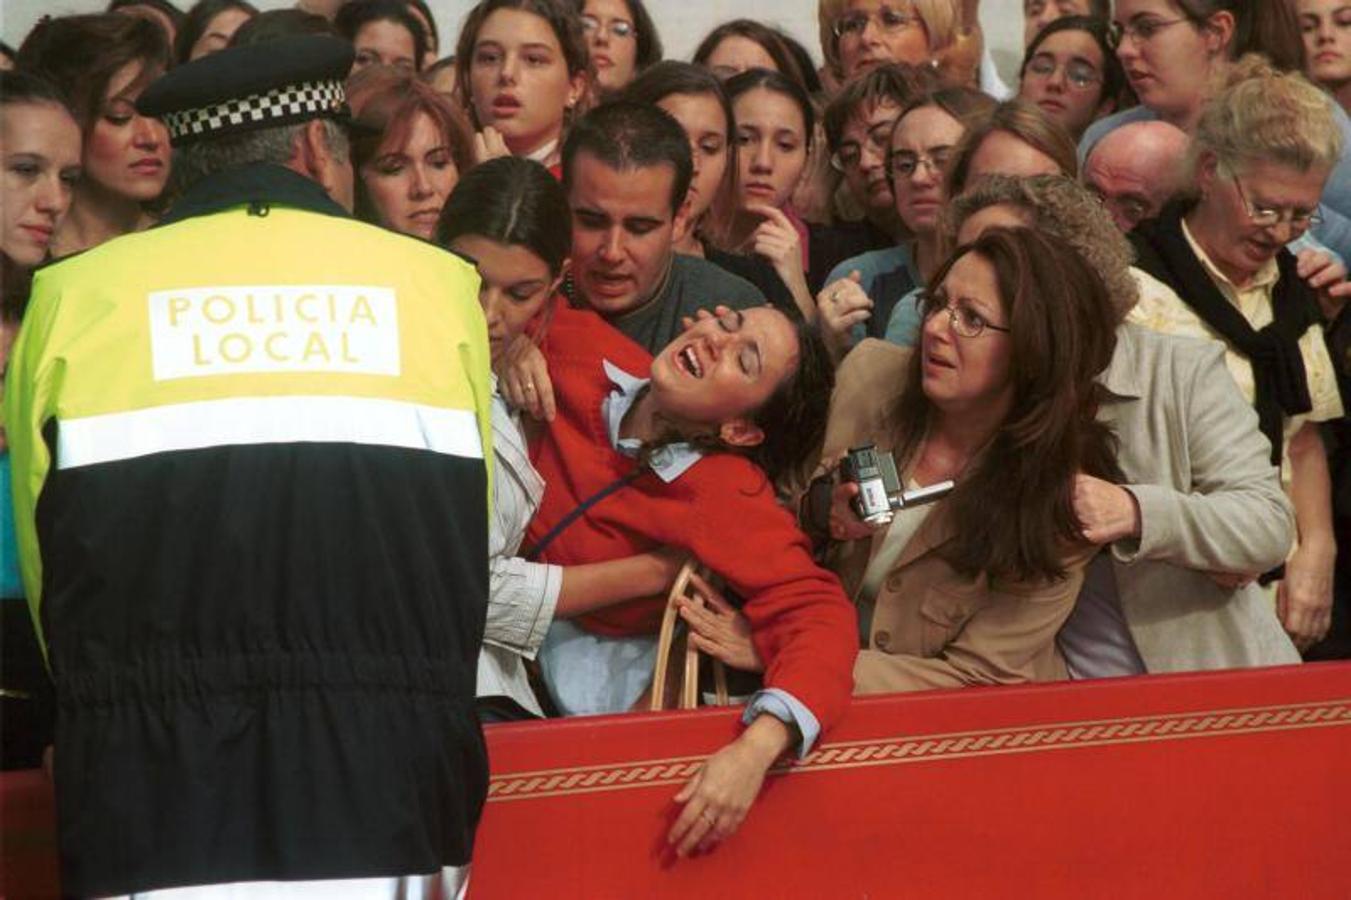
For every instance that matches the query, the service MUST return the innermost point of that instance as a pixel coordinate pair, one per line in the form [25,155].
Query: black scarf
[1278,368]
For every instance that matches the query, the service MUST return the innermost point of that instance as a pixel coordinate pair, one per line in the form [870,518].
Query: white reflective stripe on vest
[267,420]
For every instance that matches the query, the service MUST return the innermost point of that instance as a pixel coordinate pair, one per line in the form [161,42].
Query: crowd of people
[359,392]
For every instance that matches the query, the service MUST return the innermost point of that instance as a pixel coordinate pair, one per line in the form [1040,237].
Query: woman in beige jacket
[999,396]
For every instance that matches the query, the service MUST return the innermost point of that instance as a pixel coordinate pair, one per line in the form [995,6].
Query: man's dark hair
[896,82]
[626,136]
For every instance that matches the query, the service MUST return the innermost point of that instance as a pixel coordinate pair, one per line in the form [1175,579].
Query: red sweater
[722,509]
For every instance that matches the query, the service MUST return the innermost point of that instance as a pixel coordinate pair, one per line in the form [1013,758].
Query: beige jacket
[1196,463]
[932,627]
[1210,500]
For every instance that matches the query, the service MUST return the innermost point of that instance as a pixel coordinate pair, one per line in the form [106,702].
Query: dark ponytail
[513,201]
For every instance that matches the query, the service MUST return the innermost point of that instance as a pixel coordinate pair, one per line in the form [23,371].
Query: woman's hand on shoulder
[523,379]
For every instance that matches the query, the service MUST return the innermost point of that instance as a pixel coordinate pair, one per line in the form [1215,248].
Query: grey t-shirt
[694,284]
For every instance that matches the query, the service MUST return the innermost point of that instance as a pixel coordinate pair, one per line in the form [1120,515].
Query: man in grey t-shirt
[626,169]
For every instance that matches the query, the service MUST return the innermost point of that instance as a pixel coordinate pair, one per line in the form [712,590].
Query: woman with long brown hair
[999,397]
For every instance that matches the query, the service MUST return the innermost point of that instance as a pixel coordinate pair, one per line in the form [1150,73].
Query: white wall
[681,22]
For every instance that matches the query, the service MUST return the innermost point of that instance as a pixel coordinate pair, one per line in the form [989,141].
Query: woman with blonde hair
[1262,153]
[857,35]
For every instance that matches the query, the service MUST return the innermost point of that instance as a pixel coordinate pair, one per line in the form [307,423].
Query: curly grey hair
[1060,207]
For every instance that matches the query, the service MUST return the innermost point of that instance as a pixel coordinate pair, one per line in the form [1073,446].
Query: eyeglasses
[618,28]
[851,154]
[1130,210]
[905,163]
[1271,216]
[888,20]
[1141,31]
[1079,73]
[965,320]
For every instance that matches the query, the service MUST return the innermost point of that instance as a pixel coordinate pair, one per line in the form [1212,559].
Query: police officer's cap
[240,89]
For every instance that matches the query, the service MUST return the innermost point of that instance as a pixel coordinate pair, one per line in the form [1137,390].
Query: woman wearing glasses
[1326,27]
[622,39]
[857,35]
[1174,52]
[999,397]
[922,141]
[1070,71]
[1263,151]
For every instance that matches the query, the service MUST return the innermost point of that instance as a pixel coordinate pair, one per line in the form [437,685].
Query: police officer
[249,453]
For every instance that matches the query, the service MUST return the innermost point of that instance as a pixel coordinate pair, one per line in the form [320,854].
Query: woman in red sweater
[690,442]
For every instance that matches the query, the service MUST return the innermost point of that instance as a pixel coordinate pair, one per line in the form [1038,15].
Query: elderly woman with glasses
[858,35]
[1175,52]
[1262,153]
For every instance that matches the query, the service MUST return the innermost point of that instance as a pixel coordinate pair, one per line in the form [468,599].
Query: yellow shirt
[1166,313]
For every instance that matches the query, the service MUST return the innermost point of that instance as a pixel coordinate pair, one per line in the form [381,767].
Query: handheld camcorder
[880,491]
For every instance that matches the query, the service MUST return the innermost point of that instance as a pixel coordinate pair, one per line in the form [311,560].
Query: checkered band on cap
[285,104]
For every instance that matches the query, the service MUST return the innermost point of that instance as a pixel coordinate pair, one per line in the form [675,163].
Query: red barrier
[1215,785]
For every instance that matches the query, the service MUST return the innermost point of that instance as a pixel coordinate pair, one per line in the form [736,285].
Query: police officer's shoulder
[410,244]
[94,255]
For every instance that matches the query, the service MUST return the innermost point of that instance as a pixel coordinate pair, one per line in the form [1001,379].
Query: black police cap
[241,89]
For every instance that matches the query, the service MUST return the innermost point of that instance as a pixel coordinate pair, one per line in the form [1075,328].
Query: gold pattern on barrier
[937,747]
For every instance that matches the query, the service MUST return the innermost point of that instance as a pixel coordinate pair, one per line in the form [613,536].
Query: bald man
[1136,169]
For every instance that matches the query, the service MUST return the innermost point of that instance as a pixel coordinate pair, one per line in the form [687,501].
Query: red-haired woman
[409,152]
